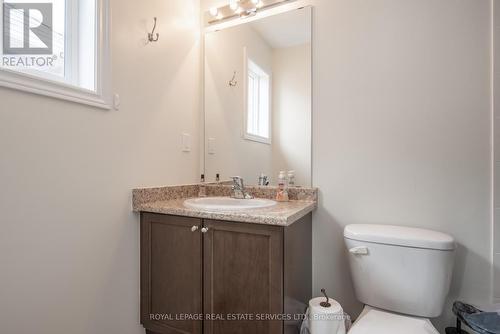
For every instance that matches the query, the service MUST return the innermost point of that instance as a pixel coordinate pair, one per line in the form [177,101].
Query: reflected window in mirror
[258,111]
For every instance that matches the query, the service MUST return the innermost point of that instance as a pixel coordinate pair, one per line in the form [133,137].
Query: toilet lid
[374,321]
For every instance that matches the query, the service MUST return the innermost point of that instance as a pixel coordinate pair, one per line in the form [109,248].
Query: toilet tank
[400,269]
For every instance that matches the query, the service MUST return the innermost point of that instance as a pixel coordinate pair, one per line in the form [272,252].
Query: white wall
[292,112]
[401,130]
[225,105]
[69,243]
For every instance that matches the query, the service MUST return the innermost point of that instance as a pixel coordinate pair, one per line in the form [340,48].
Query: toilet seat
[375,321]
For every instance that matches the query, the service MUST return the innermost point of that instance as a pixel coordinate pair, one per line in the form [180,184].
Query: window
[56,48]
[257,118]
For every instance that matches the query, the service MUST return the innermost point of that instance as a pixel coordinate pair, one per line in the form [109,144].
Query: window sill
[39,86]
[257,139]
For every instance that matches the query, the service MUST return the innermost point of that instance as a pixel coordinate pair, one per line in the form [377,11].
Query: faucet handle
[237,180]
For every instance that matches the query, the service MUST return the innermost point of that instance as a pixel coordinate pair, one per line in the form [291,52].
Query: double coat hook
[152,37]
[233,82]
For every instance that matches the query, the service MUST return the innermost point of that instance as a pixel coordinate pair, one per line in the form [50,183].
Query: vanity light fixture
[239,9]
[234,5]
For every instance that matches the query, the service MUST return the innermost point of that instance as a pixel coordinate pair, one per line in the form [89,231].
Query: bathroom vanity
[223,272]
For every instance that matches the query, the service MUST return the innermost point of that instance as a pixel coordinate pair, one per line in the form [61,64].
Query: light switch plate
[186,142]
[116,101]
[211,145]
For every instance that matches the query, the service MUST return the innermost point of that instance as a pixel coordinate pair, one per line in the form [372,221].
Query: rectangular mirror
[258,99]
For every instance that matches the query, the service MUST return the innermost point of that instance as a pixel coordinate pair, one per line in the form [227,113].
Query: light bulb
[214,11]
[233,4]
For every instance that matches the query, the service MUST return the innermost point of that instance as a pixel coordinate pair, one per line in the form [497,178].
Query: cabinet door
[171,275]
[243,277]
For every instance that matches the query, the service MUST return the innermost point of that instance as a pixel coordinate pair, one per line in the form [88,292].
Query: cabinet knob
[204,230]
[194,228]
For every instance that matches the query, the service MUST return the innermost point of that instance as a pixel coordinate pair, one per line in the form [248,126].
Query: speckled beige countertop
[170,200]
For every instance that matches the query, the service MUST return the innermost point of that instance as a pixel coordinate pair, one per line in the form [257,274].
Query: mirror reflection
[258,99]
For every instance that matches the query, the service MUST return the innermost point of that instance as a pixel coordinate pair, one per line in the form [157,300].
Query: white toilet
[401,274]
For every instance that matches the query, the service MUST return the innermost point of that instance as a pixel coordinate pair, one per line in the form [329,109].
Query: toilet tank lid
[400,236]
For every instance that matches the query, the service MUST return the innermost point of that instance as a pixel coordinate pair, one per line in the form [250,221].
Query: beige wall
[401,130]
[292,112]
[69,243]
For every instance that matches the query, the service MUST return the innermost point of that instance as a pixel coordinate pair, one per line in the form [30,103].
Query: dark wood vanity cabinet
[218,277]
[243,274]
[171,273]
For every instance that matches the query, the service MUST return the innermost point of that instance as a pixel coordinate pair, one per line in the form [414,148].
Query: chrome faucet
[238,189]
[263,180]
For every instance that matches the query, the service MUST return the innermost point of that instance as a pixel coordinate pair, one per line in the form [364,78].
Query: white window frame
[246,134]
[100,98]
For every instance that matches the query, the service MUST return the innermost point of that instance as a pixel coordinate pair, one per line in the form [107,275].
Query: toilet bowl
[401,274]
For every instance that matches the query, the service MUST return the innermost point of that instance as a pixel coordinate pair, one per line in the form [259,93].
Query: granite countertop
[170,200]
[283,213]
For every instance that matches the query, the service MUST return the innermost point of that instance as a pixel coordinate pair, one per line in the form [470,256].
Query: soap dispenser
[282,193]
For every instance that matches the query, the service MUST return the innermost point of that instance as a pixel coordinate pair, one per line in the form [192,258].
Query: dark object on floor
[481,322]
[453,330]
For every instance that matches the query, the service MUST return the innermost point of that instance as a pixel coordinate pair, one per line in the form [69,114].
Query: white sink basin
[227,203]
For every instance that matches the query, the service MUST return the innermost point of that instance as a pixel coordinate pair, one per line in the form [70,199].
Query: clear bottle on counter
[291,178]
[202,192]
[282,193]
